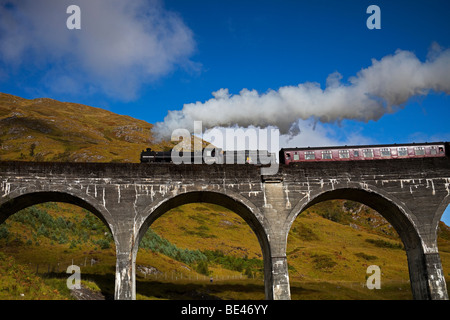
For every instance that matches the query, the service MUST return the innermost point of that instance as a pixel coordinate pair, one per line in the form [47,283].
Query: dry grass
[49,130]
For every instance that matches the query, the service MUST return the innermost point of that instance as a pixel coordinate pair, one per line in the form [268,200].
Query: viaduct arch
[239,205]
[395,212]
[410,193]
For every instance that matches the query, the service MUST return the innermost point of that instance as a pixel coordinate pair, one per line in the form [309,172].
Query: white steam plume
[381,88]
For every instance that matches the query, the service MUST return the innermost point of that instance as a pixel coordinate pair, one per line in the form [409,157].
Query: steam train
[319,154]
[219,156]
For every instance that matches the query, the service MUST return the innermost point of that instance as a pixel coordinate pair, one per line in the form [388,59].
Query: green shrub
[234,263]
[4,232]
[73,244]
[42,231]
[305,233]
[323,261]
[154,242]
[333,215]
[384,244]
[63,238]
[202,268]
[104,244]
[365,256]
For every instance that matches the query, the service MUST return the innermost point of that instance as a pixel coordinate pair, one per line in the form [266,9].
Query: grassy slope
[19,283]
[64,131]
[327,244]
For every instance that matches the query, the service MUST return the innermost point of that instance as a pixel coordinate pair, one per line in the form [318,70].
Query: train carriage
[366,152]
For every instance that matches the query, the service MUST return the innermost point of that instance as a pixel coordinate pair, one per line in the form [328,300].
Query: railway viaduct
[411,194]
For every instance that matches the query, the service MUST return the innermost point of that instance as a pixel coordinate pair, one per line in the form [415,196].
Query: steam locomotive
[320,154]
[215,154]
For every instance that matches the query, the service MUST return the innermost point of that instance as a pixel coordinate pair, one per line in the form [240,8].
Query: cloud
[121,44]
[311,133]
[383,87]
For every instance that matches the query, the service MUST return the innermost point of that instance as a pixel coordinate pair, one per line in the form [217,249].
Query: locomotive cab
[148,155]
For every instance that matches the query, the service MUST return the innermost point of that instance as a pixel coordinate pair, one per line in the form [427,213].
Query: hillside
[329,247]
[49,130]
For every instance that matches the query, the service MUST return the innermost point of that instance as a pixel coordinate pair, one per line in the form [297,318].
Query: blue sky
[254,45]
[146,58]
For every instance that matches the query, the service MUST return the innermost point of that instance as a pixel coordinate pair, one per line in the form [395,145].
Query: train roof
[365,146]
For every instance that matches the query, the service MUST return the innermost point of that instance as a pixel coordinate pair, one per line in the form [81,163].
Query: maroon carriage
[367,152]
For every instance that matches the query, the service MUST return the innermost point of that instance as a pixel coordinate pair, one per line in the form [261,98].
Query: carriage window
[419,151]
[385,152]
[368,153]
[356,154]
[433,150]
[296,156]
[402,152]
[344,154]
[326,155]
[441,150]
[309,155]
[288,156]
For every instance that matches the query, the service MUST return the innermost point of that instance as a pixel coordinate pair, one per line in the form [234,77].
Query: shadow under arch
[246,210]
[395,213]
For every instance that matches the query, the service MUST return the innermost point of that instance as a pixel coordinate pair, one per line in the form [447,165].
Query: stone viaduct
[411,194]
